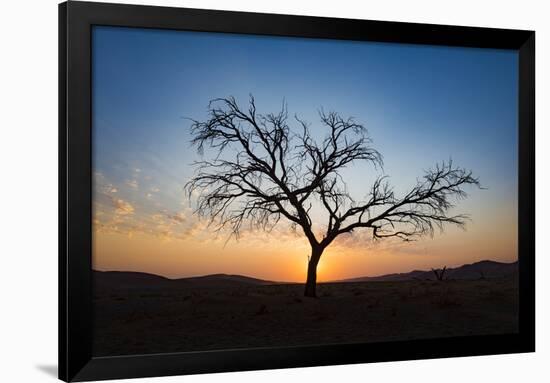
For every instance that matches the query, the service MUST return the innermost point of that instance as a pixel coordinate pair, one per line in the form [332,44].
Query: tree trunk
[311,281]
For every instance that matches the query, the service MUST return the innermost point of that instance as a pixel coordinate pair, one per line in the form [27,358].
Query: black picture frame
[76,19]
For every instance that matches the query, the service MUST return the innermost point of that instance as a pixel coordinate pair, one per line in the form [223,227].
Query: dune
[138,280]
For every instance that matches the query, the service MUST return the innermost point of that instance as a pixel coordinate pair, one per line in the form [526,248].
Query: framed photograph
[245,191]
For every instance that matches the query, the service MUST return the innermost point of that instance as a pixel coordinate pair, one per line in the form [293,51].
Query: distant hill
[130,280]
[224,279]
[136,280]
[482,269]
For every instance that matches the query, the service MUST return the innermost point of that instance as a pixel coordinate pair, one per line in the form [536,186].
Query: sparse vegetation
[439,273]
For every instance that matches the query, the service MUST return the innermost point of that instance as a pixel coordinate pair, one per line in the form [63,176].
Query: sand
[146,320]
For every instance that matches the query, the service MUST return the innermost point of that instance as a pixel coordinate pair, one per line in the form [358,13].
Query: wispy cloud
[123,207]
[178,217]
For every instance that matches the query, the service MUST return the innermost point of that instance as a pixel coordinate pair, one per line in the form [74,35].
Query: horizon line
[290,282]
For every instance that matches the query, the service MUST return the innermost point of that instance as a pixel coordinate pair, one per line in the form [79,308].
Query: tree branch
[261,171]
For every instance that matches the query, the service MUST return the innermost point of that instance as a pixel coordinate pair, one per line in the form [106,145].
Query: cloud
[178,217]
[132,183]
[195,229]
[122,207]
[163,224]
[102,186]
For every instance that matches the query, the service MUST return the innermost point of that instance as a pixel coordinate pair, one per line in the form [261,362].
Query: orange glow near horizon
[146,237]
[279,258]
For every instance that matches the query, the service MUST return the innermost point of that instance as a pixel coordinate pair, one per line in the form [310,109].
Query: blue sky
[421,105]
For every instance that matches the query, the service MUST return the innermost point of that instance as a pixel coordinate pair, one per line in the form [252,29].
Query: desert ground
[217,312]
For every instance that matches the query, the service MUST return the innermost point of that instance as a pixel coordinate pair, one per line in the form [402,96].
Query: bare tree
[261,172]
[439,273]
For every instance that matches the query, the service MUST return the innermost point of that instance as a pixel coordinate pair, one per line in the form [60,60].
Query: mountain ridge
[484,269]
[477,270]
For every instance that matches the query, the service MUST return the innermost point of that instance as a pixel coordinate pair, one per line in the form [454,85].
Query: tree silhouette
[261,171]
[439,273]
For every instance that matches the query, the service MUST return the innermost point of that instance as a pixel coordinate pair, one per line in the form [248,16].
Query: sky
[421,105]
